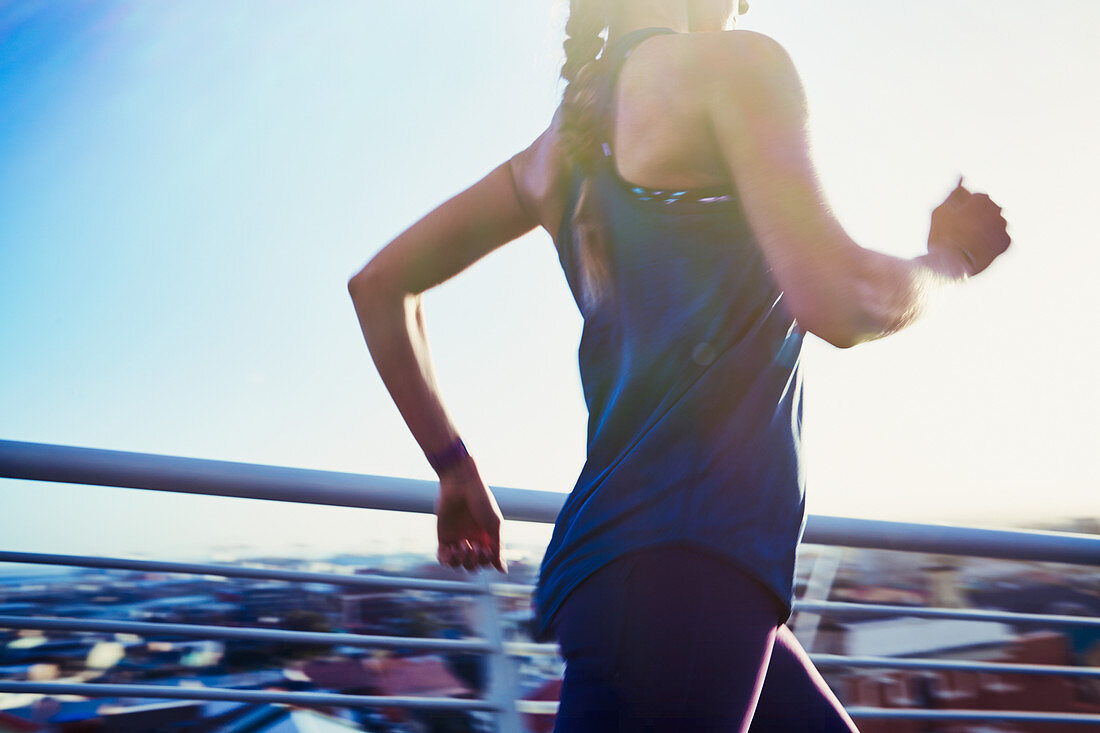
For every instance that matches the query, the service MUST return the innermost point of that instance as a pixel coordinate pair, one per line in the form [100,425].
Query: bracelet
[969,259]
[959,249]
[449,457]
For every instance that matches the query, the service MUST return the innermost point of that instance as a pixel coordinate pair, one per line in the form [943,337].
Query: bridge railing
[66,464]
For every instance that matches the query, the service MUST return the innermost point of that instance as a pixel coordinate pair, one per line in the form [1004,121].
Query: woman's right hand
[468,521]
[972,225]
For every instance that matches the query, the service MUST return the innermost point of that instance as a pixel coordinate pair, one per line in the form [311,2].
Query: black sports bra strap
[615,54]
[613,57]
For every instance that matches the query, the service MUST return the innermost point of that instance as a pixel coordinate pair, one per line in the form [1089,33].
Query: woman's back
[661,134]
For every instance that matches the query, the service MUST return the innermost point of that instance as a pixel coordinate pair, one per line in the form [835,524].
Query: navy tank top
[690,371]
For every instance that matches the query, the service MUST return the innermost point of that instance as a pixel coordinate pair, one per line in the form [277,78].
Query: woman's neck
[636,15]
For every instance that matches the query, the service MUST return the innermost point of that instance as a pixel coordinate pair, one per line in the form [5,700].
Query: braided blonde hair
[581,128]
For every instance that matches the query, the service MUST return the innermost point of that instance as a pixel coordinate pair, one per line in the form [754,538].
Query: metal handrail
[44,462]
[843,608]
[550,707]
[122,469]
[218,693]
[254,573]
[477,646]
[966,665]
[69,464]
[249,633]
[1007,716]
[834,608]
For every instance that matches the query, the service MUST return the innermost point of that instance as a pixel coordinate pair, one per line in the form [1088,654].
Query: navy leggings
[673,639]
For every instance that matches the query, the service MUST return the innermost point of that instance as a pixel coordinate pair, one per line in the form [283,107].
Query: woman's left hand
[468,522]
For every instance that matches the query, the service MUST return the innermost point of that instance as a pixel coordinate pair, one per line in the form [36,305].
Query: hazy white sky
[185,188]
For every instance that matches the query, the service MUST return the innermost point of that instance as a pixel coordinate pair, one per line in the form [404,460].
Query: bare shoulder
[746,66]
[739,47]
[541,176]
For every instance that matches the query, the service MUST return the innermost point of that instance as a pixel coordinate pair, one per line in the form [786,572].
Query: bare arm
[842,292]
[387,298]
[387,294]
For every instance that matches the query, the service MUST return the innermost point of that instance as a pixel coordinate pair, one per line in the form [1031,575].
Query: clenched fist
[468,522]
[971,224]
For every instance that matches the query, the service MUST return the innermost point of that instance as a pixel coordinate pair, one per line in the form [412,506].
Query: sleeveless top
[690,372]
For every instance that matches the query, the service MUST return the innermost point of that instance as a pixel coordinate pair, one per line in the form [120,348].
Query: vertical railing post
[818,587]
[503,677]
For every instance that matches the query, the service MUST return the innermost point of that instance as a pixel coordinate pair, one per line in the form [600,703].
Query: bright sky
[186,187]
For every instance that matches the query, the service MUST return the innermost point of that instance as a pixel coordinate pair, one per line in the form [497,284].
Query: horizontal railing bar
[244,571]
[537,707]
[145,629]
[521,649]
[69,464]
[514,590]
[219,693]
[1016,716]
[838,608]
[545,707]
[839,660]
[480,646]
[835,608]
[530,649]
[550,707]
[943,539]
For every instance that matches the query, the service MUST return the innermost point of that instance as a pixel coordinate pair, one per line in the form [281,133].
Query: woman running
[676,182]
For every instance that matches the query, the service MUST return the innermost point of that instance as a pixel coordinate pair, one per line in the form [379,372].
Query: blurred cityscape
[825,573]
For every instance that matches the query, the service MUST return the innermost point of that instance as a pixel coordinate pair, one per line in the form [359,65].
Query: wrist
[950,260]
[452,460]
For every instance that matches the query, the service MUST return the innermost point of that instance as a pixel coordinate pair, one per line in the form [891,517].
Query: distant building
[909,636]
[968,690]
[425,675]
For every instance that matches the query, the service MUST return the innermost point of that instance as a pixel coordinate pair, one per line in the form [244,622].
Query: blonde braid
[581,127]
